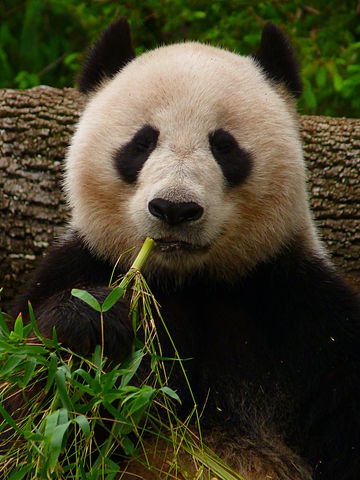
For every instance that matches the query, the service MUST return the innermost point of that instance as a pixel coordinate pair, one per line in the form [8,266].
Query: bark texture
[35,129]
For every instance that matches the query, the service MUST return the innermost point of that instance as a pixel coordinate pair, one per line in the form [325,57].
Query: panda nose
[175,213]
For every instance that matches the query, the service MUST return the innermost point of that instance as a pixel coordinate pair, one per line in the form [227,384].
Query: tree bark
[35,129]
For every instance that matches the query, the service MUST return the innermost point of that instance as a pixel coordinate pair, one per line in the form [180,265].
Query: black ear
[108,56]
[276,57]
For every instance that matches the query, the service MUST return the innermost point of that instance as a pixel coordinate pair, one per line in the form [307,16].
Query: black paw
[78,326]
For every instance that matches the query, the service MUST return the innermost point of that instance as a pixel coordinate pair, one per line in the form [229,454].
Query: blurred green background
[44,41]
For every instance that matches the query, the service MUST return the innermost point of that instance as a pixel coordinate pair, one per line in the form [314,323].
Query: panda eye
[222,142]
[145,140]
[234,161]
[130,158]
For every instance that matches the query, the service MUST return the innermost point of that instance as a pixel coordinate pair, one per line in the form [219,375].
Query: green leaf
[20,472]
[112,396]
[131,366]
[199,15]
[112,298]
[309,96]
[52,368]
[8,418]
[98,362]
[29,371]
[54,342]
[128,446]
[55,443]
[50,423]
[87,298]
[82,472]
[27,329]
[338,82]
[72,58]
[33,437]
[352,81]
[56,425]
[170,393]
[10,366]
[109,379]
[19,326]
[143,400]
[26,79]
[33,322]
[3,325]
[321,76]
[252,39]
[84,375]
[353,68]
[63,416]
[112,468]
[83,423]
[116,413]
[61,385]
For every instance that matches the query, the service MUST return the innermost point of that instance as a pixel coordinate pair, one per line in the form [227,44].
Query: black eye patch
[235,162]
[130,158]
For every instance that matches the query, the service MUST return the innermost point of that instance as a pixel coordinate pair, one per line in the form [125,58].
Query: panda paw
[78,326]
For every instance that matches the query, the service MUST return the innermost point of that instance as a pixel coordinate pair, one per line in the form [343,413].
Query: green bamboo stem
[148,246]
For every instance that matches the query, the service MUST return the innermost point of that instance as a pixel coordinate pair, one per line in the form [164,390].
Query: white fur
[186,91]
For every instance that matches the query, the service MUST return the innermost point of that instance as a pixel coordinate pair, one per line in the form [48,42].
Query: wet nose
[175,213]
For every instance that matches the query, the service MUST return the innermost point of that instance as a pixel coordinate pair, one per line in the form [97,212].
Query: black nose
[175,213]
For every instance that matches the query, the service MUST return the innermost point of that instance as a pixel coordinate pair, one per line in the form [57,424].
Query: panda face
[193,146]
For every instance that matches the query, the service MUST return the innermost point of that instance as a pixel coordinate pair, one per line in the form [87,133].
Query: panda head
[194,146]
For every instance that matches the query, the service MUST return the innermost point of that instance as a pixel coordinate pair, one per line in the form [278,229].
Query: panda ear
[276,57]
[108,56]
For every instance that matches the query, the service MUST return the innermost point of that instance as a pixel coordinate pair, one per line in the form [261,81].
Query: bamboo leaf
[52,368]
[11,364]
[61,385]
[9,419]
[50,423]
[128,446]
[83,423]
[20,472]
[33,322]
[112,298]
[19,326]
[143,399]
[170,393]
[87,298]
[55,443]
[3,325]
[29,371]
[112,469]
[131,365]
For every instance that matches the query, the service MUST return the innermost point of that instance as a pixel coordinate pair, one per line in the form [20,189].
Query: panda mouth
[174,245]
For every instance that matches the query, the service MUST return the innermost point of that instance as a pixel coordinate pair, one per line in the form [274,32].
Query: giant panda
[199,148]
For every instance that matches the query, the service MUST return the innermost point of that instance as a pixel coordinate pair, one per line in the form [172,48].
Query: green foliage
[57,430]
[44,41]
[74,413]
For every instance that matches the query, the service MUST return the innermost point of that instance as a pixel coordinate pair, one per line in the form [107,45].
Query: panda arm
[71,265]
[330,314]
[333,437]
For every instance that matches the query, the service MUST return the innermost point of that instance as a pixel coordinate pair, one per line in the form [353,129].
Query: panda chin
[177,246]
